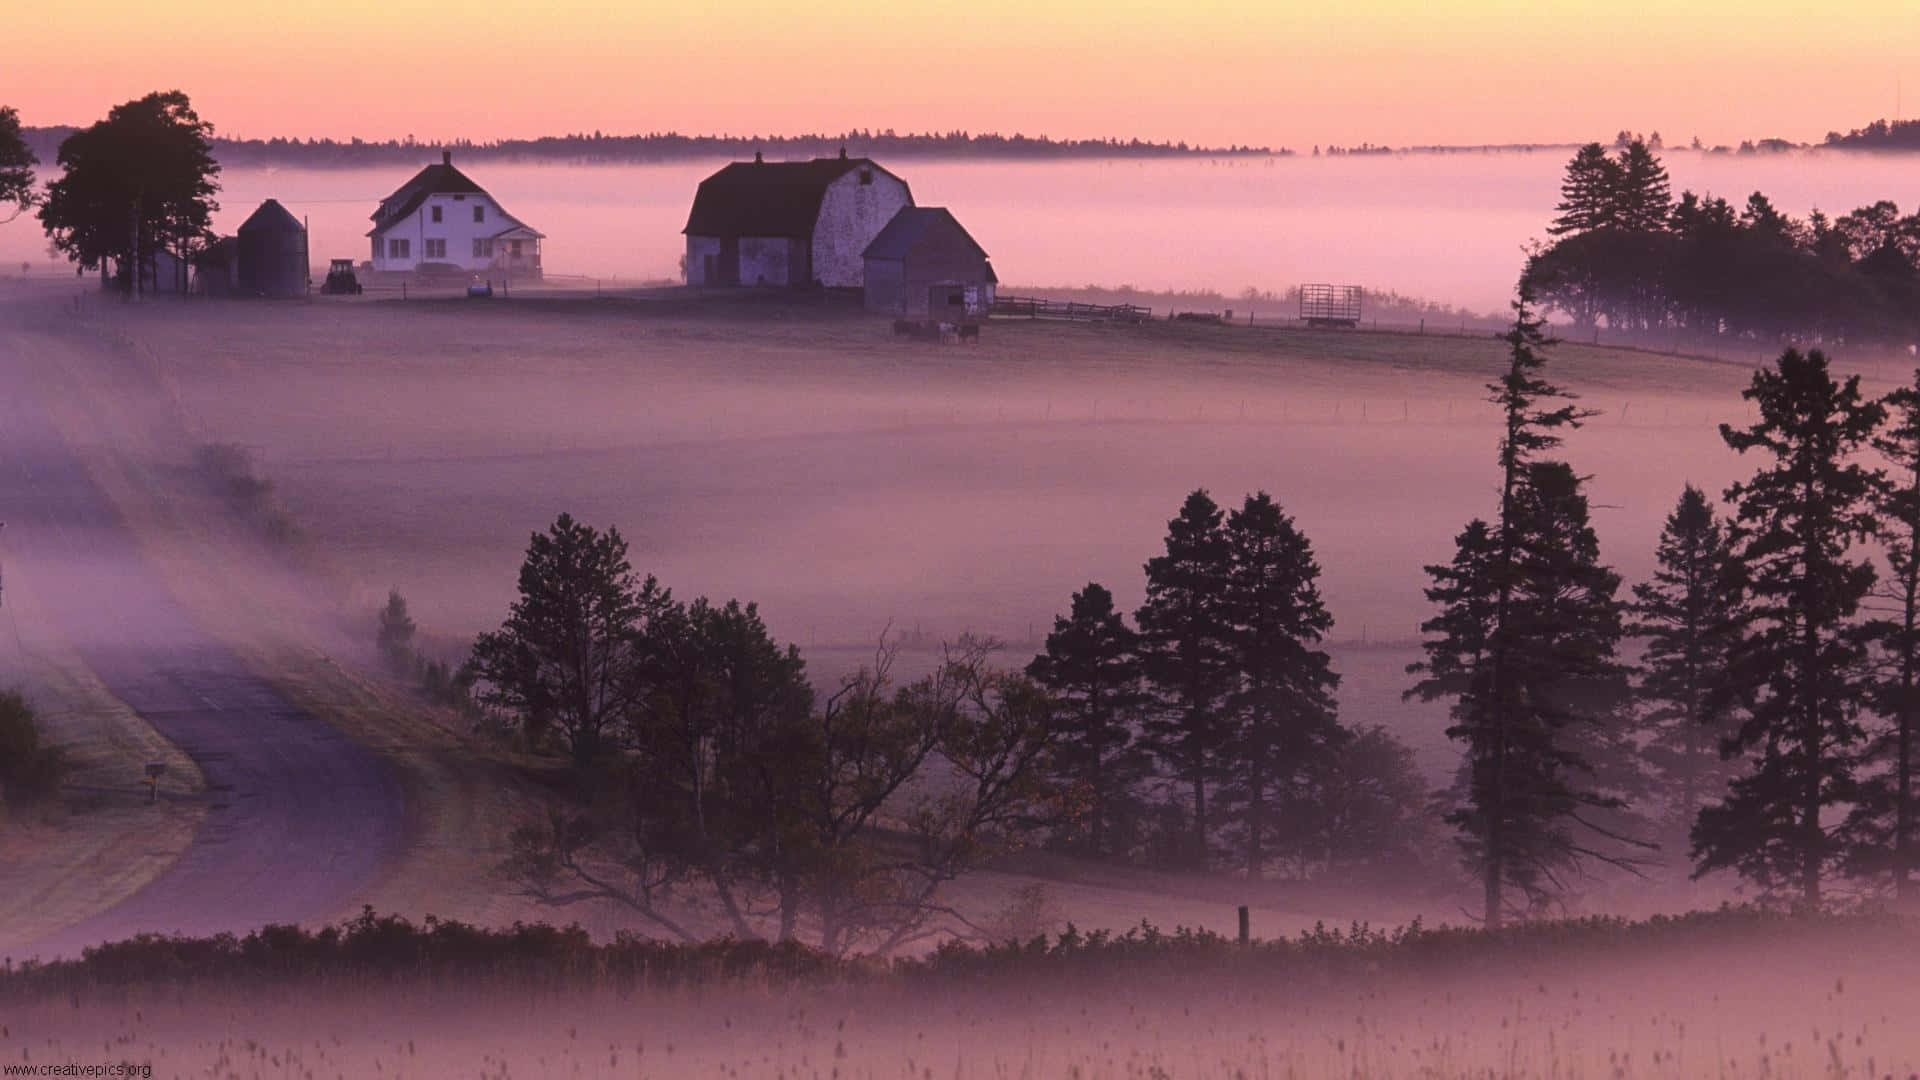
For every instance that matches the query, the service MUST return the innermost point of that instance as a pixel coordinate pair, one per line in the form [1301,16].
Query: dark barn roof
[271,217]
[768,198]
[912,225]
[441,179]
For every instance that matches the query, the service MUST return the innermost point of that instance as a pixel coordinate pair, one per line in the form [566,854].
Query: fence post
[1246,927]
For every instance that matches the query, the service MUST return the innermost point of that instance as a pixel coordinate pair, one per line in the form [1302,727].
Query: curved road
[301,820]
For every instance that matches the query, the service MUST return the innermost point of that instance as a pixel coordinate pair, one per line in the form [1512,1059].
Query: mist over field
[1447,228]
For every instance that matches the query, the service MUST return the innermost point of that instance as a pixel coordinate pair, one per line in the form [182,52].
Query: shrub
[30,770]
[229,471]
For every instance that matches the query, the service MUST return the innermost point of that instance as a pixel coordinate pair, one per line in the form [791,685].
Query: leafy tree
[1285,720]
[566,656]
[16,165]
[1589,193]
[1365,813]
[139,181]
[1186,658]
[1689,614]
[1803,649]
[1524,643]
[395,637]
[1092,668]
[1882,822]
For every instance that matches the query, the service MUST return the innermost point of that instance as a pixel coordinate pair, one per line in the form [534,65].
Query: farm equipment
[341,280]
[1330,305]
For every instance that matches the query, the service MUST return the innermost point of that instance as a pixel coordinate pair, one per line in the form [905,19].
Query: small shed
[925,265]
[271,254]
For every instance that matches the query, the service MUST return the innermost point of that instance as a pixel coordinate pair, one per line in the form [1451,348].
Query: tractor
[341,280]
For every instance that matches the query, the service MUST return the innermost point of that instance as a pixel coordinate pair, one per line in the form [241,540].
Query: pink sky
[1203,70]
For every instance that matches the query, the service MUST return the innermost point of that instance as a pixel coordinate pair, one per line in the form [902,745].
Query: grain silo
[272,257]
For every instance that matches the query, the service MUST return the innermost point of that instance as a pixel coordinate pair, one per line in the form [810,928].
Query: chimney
[446,157]
[756,157]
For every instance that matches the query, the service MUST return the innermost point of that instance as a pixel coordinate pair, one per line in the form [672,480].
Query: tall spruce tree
[1882,824]
[1689,614]
[1285,719]
[1589,193]
[1523,643]
[1644,199]
[1186,658]
[1803,646]
[1091,666]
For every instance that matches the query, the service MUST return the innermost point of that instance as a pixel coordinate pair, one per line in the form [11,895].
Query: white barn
[440,219]
[790,223]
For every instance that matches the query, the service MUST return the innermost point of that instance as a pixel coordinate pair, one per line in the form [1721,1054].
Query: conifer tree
[1803,647]
[1091,666]
[1644,199]
[1882,824]
[1186,659]
[1285,719]
[1689,614]
[1523,643]
[1589,193]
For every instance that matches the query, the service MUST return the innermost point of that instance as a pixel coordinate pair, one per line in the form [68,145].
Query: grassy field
[1783,1003]
[799,455]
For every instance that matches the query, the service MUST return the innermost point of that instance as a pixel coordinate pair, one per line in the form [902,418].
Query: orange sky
[1213,71]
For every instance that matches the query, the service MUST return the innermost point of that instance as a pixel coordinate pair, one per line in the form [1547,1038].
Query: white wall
[851,215]
[456,226]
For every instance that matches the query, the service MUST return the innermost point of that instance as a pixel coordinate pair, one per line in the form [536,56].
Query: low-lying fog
[847,482]
[1447,228]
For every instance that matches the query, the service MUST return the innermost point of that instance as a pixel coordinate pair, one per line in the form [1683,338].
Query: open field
[796,454]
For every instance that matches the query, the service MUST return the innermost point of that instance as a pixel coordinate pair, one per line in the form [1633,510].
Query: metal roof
[768,198]
[271,217]
[911,226]
[441,179]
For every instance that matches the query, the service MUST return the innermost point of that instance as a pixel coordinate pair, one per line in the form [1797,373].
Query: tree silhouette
[1186,658]
[566,656]
[1689,615]
[1802,647]
[1285,719]
[16,164]
[140,181]
[1882,821]
[1092,668]
[1524,645]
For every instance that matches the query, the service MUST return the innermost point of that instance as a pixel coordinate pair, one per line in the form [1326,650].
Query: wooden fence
[1026,307]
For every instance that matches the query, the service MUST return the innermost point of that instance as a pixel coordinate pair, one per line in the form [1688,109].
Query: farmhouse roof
[768,198]
[441,179]
[914,224]
[271,217]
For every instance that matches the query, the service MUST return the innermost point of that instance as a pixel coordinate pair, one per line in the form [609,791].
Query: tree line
[604,147]
[1627,253]
[1765,728]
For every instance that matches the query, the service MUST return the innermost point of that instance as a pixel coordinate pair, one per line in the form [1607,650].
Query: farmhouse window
[482,247]
[479,213]
[436,249]
[866,177]
[399,249]
[515,248]
[436,215]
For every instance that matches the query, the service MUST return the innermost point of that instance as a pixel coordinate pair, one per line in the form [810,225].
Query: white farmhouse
[790,223]
[442,220]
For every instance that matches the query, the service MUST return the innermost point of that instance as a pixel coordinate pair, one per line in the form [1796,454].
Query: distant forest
[670,146]
[1879,135]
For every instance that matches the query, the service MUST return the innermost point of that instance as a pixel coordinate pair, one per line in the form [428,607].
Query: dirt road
[302,820]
